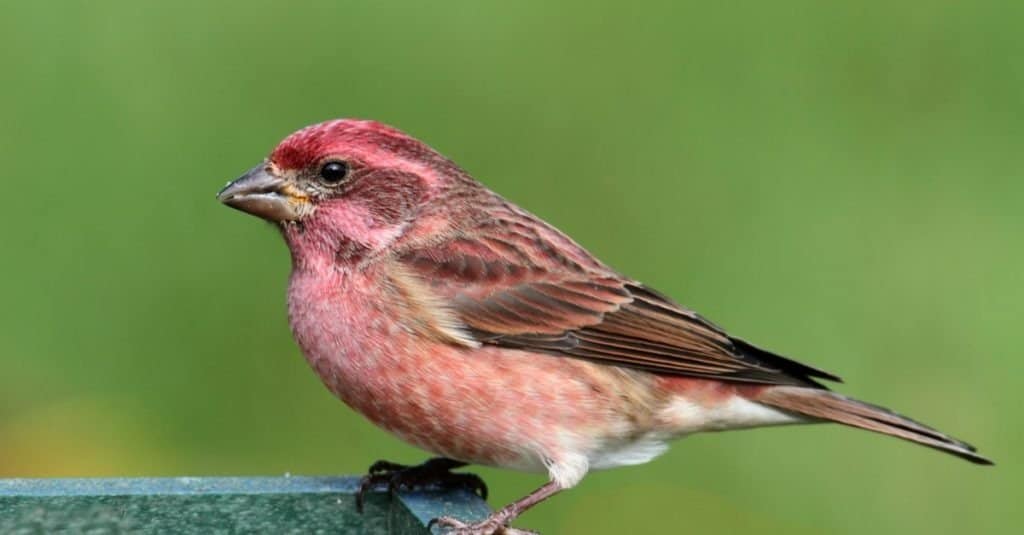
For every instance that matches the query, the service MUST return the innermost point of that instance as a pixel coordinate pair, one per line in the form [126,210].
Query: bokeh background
[840,183]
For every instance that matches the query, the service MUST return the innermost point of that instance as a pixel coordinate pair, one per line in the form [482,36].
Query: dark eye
[333,172]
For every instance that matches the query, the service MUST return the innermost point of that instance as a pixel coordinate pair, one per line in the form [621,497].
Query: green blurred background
[838,183]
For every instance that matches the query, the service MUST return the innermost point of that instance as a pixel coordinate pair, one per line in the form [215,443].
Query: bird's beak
[262,194]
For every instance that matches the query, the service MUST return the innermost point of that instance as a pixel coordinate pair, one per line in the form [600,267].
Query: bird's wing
[516,282]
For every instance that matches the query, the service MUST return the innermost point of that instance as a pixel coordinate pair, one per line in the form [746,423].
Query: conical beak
[264,195]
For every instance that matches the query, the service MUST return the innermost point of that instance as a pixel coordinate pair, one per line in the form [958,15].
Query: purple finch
[470,328]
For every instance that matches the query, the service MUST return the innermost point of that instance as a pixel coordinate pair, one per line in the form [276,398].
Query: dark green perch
[221,505]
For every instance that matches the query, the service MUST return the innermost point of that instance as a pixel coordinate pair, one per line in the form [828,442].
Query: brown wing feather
[520,283]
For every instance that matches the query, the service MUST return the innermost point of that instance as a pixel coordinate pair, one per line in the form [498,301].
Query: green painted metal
[221,505]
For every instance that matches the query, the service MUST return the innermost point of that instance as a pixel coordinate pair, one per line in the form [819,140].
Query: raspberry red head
[361,143]
[344,184]
[329,160]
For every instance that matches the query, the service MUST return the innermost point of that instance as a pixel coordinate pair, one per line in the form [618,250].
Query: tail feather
[829,406]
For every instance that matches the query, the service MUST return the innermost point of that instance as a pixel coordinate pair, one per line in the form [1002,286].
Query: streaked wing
[519,283]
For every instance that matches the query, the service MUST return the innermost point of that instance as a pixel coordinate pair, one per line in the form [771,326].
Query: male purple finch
[469,327]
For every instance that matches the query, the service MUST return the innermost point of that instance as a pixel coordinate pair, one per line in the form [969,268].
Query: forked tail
[829,406]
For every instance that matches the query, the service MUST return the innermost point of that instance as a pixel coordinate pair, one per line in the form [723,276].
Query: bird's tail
[829,406]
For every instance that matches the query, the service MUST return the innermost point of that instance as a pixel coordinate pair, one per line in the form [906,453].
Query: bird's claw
[435,472]
[493,525]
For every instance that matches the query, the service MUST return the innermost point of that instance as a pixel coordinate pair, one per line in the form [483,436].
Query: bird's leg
[434,472]
[499,521]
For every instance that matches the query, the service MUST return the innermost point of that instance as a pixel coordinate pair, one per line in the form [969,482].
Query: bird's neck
[313,249]
[341,233]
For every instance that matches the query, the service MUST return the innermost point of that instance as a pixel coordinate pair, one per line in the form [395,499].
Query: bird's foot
[494,524]
[433,473]
[499,521]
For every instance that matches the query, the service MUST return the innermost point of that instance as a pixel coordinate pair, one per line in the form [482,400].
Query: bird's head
[343,187]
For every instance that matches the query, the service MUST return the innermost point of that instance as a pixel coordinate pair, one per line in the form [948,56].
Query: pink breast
[488,406]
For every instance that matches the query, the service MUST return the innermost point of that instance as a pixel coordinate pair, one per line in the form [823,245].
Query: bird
[472,329]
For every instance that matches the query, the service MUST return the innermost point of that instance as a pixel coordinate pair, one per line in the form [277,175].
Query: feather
[832,407]
[516,282]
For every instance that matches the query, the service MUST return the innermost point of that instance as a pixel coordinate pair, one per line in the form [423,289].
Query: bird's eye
[333,172]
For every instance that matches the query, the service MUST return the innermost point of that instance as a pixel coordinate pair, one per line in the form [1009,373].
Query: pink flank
[490,406]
